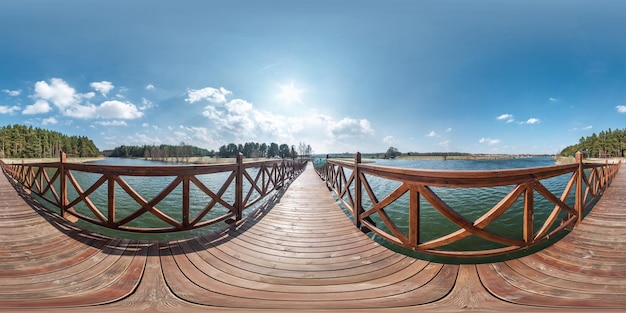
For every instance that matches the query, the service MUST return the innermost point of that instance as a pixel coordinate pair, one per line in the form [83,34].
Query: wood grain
[300,253]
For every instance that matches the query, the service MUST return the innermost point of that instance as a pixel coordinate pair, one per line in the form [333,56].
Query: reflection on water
[149,188]
[471,203]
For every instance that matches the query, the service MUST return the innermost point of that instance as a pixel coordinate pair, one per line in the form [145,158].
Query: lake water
[469,202]
[472,202]
[149,188]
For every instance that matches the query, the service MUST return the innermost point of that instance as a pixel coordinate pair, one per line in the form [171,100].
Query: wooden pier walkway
[300,253]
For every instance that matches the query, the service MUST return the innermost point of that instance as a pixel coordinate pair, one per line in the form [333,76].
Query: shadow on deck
[300,252]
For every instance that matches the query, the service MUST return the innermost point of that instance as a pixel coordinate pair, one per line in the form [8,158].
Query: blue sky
[342,76]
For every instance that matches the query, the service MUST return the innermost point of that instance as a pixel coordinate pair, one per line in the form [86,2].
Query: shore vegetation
[20,141]
[606,144]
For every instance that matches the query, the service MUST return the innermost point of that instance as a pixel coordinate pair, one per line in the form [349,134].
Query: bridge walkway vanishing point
[303,253]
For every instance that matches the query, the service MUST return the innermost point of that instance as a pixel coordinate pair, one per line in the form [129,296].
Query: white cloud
[146,104]
[449,130]
[553,99]
[12,93]
[389,140]
[431,134]
[445,143]
[81,111]
[181,135]
[621,108]
[348,128]
[40,106]
[145,125]
[200,135]
[58,92]
[8,110]
[112,123]
[209,94]
[118,109]
[150,87]
[506,117]
[239,106]
[212,113]
[587,127]
[49,120]
[235,117]
[238,120]
[533,120]
[102,87]
[141,139]
[239,124]
[112,109]
[88,95]
[489,141]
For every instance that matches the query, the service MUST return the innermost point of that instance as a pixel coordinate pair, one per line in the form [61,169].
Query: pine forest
[19,141]
[609,143]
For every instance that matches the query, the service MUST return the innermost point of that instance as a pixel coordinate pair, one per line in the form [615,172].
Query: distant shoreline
[442,157]
[559,160]
[463,157]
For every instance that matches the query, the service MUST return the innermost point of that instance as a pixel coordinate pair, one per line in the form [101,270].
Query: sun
[290,94]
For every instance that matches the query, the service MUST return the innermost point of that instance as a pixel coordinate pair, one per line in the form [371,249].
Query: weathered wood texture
[299,253]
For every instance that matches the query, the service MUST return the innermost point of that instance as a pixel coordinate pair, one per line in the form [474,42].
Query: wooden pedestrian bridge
[283,242]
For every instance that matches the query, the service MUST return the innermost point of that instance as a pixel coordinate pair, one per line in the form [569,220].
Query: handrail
[51,182]
[349,182]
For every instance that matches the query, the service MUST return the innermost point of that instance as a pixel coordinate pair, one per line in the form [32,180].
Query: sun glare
[290,94]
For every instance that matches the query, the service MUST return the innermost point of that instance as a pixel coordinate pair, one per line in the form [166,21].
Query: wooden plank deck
[301,253]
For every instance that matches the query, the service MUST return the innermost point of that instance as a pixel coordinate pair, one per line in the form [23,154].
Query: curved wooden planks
[302,253]
[584,269]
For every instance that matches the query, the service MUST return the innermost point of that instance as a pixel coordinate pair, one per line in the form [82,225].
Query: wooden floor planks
[300,253]
[585,269]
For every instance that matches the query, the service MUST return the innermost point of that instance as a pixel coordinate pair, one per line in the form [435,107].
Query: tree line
[183,151]
[20,141]
[263,150]
[160,152]
[609,143]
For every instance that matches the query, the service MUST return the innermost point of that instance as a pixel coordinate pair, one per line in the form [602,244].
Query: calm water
[472,202]
[469,202]
[148,188]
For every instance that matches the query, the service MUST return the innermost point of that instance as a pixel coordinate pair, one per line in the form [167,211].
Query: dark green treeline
[160,152]
[19,141]
[609,143]
[249,150]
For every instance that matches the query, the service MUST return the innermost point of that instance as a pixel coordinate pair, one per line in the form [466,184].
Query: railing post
[63,184]
[414,217]
[23,173]
[579,187]
[605,172]
[186,201]
[239,187]
[358,207]
[111,201]
[529,214]
[283,173]
[325,170]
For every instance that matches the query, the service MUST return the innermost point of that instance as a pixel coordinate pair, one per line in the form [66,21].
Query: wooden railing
[51,182]
[349,182]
